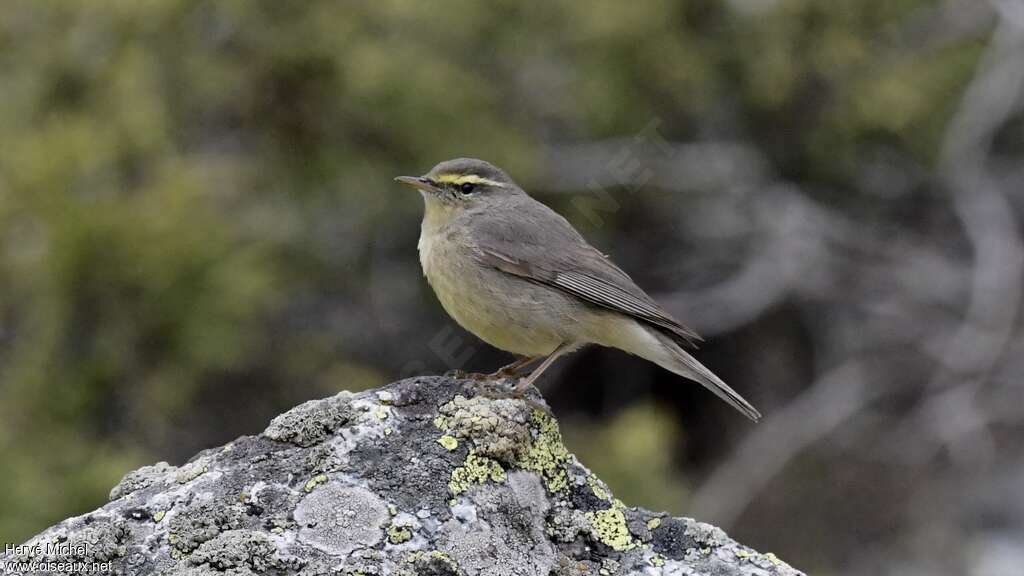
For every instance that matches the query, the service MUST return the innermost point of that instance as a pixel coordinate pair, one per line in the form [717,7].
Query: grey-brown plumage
[519,276]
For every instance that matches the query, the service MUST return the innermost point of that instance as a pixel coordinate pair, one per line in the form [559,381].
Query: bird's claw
[501,389]
[504,374]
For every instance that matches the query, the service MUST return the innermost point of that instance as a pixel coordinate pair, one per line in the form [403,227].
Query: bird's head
[462,183]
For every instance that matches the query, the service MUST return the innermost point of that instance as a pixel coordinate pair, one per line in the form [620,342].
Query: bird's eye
[467,188]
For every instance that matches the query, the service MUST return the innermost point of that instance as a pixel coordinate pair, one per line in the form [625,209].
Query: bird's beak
[418,182]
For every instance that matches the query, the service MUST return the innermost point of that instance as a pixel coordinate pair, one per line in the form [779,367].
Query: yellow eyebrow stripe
[459,179]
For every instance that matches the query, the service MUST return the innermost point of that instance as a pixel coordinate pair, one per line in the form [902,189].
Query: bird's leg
[503,372]
[525,383]
[513,368]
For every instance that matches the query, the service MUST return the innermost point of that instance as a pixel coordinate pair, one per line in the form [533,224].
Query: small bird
[517,275]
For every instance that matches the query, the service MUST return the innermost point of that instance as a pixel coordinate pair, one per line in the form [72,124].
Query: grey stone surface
[422,477]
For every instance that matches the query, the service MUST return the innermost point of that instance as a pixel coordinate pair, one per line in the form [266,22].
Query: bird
[520,277]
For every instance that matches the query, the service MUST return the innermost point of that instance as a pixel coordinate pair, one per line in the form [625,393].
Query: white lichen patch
[192,470]
[706,534]
[339,519]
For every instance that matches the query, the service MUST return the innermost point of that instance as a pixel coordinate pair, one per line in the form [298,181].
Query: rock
[422,477]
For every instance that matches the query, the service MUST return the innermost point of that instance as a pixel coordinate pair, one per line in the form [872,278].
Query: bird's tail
[674,359]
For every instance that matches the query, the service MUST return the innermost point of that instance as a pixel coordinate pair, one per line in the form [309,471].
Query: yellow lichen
[399,534]
[653,523]
[547,454]
[609,526]
[419,555]
[449,442]
[159,516]
[476,469]
[314,482]
[596,488]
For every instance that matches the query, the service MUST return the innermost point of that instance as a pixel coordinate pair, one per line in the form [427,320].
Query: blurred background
[198,230]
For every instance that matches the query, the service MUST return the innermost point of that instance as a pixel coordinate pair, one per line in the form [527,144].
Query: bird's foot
[509,371]
[502,374]
[501,390]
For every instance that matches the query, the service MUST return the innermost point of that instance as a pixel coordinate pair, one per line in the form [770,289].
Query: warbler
[517,275]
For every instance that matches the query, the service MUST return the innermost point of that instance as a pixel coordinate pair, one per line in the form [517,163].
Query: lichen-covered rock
[142,478]
[310,423]
[422,477]
[338,519]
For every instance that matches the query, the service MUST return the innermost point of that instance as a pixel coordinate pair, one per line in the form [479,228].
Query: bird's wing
[526,248]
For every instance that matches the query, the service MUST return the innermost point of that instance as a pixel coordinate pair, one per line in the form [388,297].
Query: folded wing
[543,247]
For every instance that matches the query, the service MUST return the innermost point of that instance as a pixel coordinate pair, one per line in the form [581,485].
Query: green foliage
[633,453]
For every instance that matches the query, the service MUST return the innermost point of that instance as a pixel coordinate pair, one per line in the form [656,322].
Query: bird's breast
[506,312]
